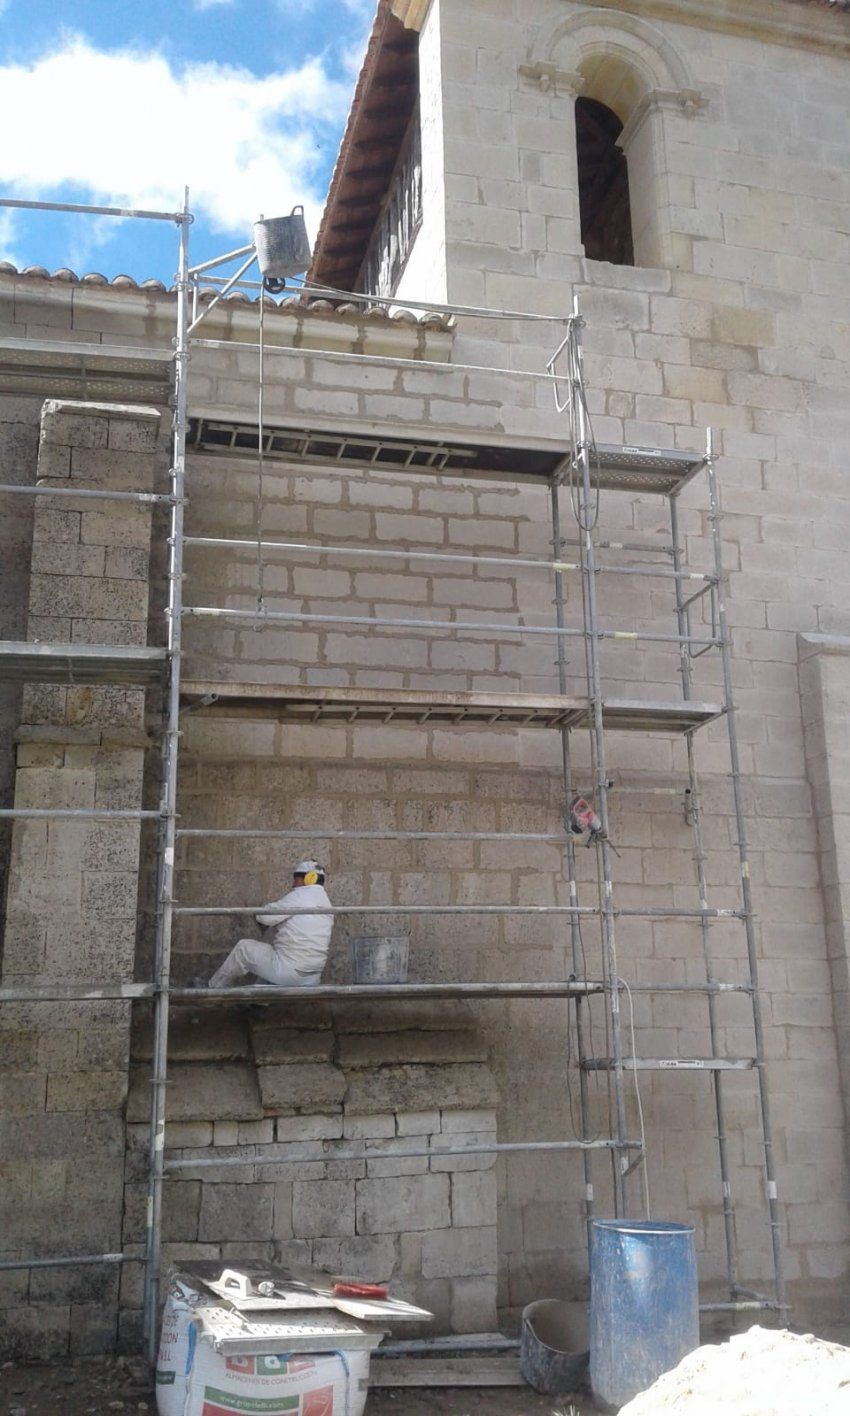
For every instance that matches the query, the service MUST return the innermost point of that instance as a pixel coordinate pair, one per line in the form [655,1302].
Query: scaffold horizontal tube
[75,813]
[325,292]
[445,557]
[260,617]
[750,1306]
[77,1261]
[92,493]
[569,988]
[318,834]
[177,216]
[75,992]
[484,312]
[663,912]
[387,361]
[409,1153]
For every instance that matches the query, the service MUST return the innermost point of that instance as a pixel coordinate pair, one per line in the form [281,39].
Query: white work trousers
[270,965]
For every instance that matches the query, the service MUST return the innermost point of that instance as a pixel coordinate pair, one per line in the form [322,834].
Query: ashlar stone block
[235,1212]
[322,1208]
[392,1205]
[461,1253]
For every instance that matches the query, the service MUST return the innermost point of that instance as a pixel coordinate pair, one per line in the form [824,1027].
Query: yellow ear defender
[311,878]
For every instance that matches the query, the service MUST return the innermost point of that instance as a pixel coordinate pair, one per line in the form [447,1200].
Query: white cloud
[131,129]
[8,234]
[208,4]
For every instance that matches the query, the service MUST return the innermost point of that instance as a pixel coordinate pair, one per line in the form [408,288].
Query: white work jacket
[303,939]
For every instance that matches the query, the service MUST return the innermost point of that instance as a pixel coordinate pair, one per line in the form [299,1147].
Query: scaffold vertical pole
[577,951]
[597,738]
[167,842]
[695,814]
[746,885]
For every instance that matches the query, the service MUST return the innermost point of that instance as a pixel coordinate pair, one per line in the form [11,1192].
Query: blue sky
[119,103]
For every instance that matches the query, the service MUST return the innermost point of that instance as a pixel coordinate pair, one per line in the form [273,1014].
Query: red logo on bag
[319,1403]
[244,1366]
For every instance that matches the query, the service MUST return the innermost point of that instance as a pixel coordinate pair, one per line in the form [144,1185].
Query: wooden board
[446,1372]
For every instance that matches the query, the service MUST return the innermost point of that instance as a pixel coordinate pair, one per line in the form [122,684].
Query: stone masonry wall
[72,898]
[300,1085]
[19,417]
[743,324]
[746,327]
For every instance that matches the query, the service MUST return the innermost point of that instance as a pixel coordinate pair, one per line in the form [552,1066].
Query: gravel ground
[95,1387]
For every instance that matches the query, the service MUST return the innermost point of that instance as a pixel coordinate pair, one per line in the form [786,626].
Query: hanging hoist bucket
[283,247]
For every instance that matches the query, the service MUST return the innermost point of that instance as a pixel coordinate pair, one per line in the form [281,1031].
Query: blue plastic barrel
[644,1304]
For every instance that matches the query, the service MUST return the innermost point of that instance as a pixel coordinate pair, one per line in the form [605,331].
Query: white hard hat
[304,867]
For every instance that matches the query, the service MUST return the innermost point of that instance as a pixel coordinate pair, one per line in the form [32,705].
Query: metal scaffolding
[583,469]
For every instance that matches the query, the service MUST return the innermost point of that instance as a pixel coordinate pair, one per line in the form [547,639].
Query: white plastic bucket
[192,1379]
[379,958]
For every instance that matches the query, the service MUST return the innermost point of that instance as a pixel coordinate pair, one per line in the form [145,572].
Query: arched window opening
[603,183]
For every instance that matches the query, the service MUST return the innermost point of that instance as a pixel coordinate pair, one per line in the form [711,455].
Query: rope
[344,1360]
[261,569]
[575,396]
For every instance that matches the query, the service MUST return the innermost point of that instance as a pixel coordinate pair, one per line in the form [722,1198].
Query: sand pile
[758,1373]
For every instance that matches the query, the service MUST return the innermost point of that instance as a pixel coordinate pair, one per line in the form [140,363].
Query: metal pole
[77,1261]
[662,912]
[95,493]
[165,915]
[594,689]
[478,312]
[68,813]
[314,834]
[220,260]
[694,811]
[409,1153]
[570,863]
[196,318]
[655,572]
[78,992]
[381,361]
[743,856]
[570,988]
[91,210]
[404,622]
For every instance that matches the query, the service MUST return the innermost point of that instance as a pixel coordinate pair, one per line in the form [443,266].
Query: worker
[297,955]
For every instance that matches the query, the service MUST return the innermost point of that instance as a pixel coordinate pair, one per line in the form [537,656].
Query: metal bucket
[549,1358]
[282,245]
[379,958]
[644,1307]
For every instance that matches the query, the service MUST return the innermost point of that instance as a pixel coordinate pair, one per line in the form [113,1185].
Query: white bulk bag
[192,1379]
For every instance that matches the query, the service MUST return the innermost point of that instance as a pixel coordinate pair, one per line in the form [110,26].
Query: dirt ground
[98,1386]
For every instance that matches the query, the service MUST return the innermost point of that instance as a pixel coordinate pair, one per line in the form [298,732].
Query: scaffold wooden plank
[303,703]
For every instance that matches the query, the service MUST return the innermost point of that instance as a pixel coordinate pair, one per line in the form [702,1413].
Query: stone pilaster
[825,696]
[72,900]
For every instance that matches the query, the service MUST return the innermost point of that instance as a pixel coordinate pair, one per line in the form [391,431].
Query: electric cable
[644,1172]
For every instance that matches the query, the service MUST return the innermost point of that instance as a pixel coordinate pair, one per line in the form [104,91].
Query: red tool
[584,818]
[360,1290]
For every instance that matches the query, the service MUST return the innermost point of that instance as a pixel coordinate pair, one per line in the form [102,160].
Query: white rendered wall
[424,276]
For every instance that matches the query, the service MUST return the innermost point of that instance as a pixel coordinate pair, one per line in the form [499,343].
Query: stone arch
[616,58]
[621,61]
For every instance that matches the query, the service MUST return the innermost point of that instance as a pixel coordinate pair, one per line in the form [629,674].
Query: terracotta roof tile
[289,304]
